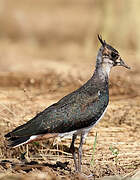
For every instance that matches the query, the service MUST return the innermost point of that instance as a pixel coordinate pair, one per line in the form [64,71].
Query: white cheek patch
[105,60]
[108,61]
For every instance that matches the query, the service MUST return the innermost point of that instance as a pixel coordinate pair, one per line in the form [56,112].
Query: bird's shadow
[29,166]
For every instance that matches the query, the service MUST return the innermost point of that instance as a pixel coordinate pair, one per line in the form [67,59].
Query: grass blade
[93,153]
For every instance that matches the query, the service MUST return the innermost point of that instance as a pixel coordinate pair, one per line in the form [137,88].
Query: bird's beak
[120,62]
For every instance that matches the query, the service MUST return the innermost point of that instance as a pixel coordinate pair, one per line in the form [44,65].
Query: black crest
[101,40]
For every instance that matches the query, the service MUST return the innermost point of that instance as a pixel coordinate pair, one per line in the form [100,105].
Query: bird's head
[108,56]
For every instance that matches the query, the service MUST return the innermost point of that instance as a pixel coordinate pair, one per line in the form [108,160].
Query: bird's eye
[114,55]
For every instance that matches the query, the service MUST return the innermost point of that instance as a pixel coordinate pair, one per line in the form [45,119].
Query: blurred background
[65,30]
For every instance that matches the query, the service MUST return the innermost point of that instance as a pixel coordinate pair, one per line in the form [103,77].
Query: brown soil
[23,94]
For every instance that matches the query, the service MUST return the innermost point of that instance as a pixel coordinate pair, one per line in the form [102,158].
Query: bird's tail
[17,141]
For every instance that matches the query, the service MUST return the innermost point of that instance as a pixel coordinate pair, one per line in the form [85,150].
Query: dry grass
[30,98]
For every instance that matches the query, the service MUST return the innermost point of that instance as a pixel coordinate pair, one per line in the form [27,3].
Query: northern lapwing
[76,113]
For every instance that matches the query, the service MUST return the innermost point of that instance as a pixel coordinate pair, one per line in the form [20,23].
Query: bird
[76,113]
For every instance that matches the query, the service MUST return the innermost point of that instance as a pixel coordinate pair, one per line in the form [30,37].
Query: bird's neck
[102,71]
[100,78]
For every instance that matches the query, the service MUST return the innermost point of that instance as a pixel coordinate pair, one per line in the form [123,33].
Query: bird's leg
[80,152]
[72,150]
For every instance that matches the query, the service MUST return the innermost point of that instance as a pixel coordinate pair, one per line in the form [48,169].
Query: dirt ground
[35,84]
[39,64]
